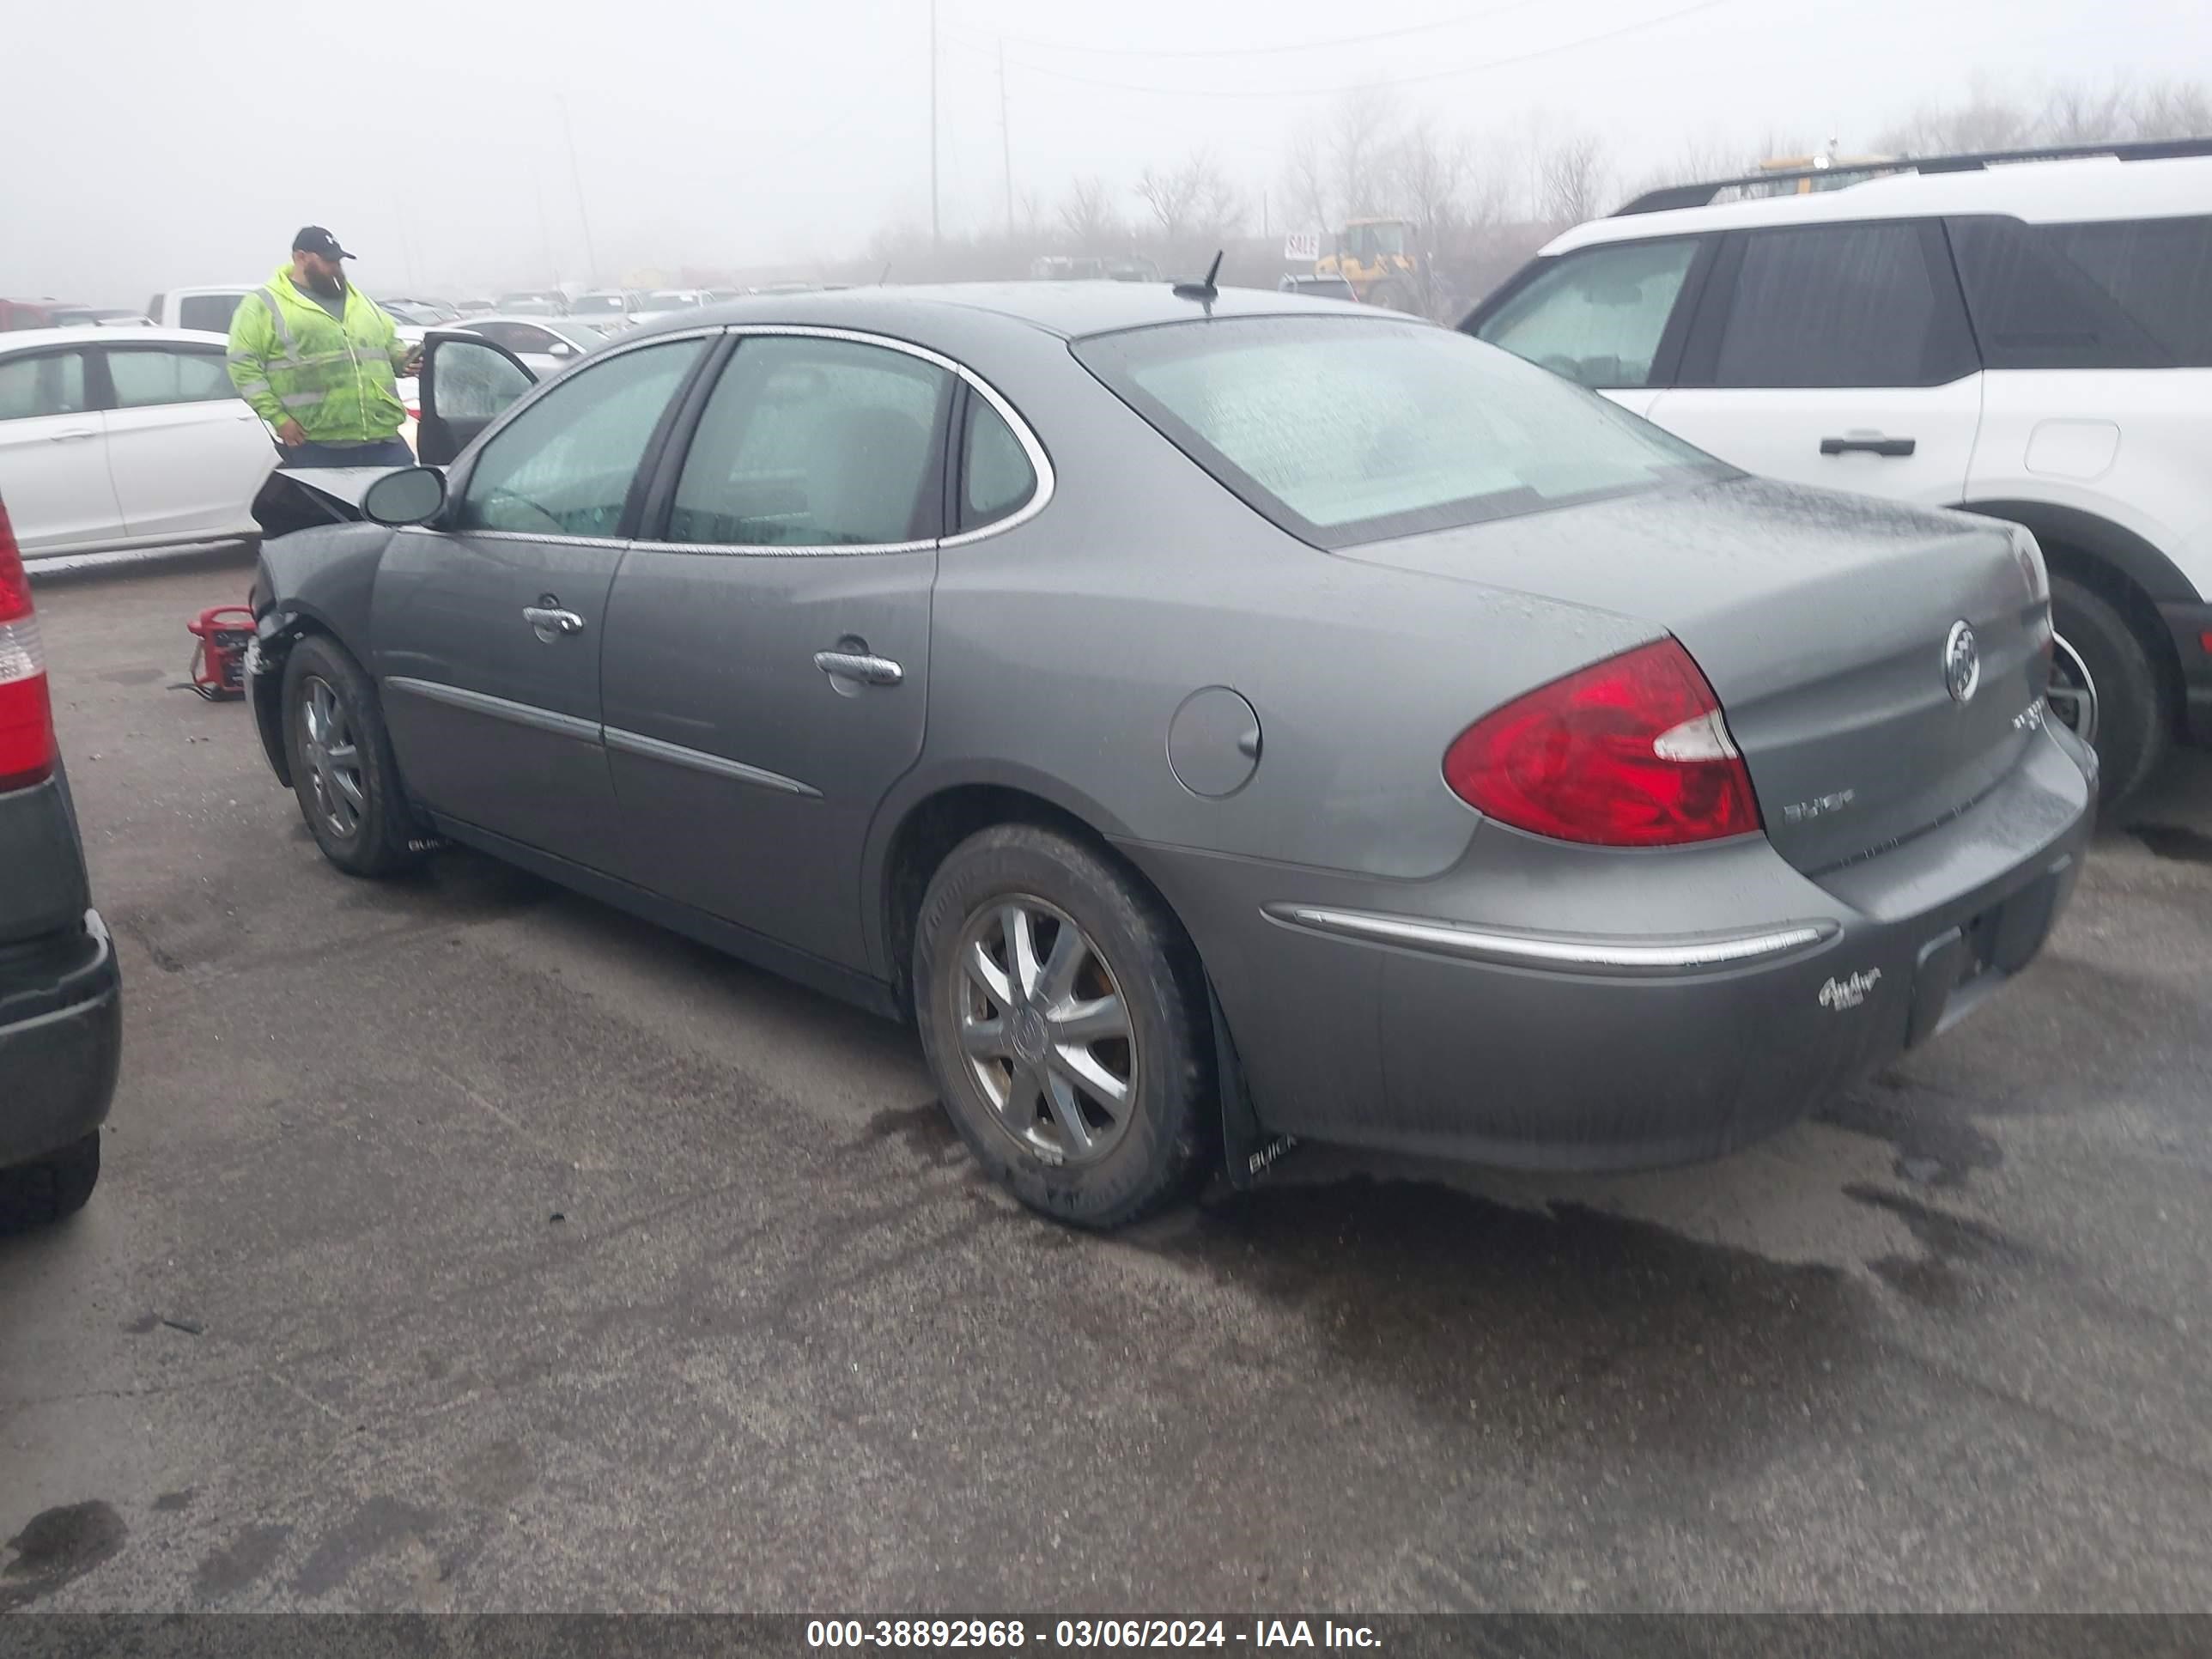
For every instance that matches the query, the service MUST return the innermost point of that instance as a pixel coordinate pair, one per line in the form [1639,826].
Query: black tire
[54,1188]
[2134,721]
[1169,1139]
[376,841]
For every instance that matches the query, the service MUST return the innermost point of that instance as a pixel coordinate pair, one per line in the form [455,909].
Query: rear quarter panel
[1062,649]
[2128,446]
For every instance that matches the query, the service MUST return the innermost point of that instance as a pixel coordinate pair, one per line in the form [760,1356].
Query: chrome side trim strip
[500,709]
[1569,954]
[636,743]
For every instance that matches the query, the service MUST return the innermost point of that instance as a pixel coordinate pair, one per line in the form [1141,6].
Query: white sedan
[115,441]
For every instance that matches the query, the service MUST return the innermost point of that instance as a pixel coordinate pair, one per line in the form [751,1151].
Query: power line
[1389,81]
[1329,45]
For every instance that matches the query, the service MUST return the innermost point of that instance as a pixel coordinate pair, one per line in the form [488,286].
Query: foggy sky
[158,145]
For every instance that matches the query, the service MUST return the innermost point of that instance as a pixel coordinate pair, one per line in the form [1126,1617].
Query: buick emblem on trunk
[1962,662]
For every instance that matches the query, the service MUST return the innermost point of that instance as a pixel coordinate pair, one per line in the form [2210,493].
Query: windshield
[600,303]
[1388,239]
[1347,430]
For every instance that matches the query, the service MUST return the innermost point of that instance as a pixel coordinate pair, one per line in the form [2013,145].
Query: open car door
[465,383]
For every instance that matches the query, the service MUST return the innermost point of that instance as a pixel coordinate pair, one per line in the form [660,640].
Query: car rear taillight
[1628,752]
[26,718]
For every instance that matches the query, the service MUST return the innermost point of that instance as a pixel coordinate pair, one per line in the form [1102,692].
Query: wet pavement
[463,1245]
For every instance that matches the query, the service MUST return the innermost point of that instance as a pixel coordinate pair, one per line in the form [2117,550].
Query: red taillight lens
[1628,752]
[26,719]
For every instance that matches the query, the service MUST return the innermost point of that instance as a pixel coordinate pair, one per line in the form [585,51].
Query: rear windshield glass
[1350,429]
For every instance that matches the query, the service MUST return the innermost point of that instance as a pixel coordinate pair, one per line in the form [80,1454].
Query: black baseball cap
[314,238]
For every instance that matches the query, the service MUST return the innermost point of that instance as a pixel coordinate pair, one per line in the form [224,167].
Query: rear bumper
[2191,624]
[1682,1005]
[61,1042]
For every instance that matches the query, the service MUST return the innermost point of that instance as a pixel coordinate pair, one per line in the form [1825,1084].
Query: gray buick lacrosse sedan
[1214,718]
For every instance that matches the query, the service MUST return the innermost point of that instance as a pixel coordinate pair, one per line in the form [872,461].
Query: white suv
[2028,336]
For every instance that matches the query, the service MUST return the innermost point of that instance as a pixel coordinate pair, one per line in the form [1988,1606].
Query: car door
[767,658]
[186,452]
[488,623]
[53,452]
[1835,354]
[1611,317]
[482,381]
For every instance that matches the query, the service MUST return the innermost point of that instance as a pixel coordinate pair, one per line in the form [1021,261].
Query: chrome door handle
[76,434]
[547,620]
[856,665]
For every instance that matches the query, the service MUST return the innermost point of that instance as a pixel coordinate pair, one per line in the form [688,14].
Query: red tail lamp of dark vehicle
[1632,751]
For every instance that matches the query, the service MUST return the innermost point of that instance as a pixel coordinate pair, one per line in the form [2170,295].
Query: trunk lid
[1822,622]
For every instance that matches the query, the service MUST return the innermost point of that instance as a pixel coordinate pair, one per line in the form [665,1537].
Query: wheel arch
[2116,561]
[932,816]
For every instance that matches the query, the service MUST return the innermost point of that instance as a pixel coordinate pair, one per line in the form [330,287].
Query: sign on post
[1301,244]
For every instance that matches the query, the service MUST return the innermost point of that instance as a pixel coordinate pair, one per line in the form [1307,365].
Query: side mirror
[561,349]
[414,495]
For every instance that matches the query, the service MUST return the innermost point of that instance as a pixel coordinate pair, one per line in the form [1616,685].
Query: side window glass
[1598,317]
[1837,306]
[563,466]
[996,477]
[2158,271]
[470,382]
[49,383]
[812,443]
[211,312]
[145,379]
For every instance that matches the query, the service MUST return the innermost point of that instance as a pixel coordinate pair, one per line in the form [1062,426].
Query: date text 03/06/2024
[1087,1633]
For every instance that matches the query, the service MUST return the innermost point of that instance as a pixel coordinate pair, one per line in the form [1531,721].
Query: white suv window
[1839,306]
[1598,316]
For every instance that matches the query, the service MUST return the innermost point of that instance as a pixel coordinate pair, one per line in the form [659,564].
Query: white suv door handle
[74,435]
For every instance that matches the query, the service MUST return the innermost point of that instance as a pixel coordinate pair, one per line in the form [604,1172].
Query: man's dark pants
[390,452]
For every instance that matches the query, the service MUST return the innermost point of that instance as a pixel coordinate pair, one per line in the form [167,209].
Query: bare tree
[1218,207]
[1305,181]
[1087,213]
[2172,109]
[1571,179]
[1029,213]
[1359,144]
[2076,114]
[1987,119]
[1171,193]
[1429,173]
[1192,204]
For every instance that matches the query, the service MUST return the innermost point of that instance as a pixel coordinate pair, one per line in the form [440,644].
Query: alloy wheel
[2071,693]
[1044,1030]
[333,758]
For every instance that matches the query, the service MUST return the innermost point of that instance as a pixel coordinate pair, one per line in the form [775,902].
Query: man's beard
[330,286]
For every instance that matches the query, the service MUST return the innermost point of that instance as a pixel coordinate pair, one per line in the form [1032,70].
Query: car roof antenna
[1205,291]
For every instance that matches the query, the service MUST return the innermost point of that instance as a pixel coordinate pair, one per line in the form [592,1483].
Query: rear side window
[814,443]
[2126,294]
[996,478]
[1598,316]
[211,312]
[1839,306]
[48,383]
[1342,429]
[143,379]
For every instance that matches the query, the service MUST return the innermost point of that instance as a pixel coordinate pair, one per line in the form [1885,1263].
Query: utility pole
[936,223]
[583,213]
[544,235]
[1005,138]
